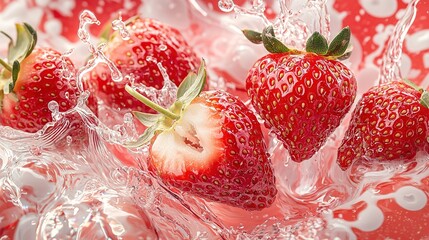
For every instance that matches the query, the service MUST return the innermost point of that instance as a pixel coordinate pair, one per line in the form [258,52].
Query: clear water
[103,191]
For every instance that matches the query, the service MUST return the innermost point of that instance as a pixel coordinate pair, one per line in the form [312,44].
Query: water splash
[87,18]
[390,69]
[119,25]
[164,96]
[296,21]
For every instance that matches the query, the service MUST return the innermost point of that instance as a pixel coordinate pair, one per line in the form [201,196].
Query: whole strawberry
[210,145]
[150,42]
[30,79]
[302,96]
[389,123]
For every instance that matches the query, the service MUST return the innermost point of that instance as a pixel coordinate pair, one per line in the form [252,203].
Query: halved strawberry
[389,123]
[302,96]
[30,79]
[210,145]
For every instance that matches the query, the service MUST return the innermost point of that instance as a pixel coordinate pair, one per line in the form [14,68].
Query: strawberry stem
[5,65]
[146,101]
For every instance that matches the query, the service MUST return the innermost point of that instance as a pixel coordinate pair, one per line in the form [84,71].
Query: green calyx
[424,98]
[338,48]
[26,39]
[164,119]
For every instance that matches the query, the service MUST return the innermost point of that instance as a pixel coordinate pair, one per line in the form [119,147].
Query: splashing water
[390,70]
[119,25]
[164,96]
[98,56]
[296,21]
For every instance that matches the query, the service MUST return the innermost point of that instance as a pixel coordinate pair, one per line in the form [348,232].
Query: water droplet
[53,106]
[60,84]
[119,25]
[162,47]
[151,59]
[55,109]
[226,5]
[69,140]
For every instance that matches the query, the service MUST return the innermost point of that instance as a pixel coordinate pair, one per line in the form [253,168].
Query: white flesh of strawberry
[194,142]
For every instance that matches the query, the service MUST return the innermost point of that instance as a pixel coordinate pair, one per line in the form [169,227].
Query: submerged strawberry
[150,42]
[30,79]
[210,145]
[389,123]
[302,96]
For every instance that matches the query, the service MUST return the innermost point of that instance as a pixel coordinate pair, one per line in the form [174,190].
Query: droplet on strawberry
[389,123]
[302,96]
[210,145]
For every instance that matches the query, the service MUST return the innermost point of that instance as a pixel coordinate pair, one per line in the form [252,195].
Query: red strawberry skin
[302,98]
[38,83]
[388,124]
[238,172]
[149,39]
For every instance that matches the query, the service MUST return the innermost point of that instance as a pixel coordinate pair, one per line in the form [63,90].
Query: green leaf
[271,43]
[424,99]
[144,138]
[196,87]
[15,71]
[148,119]
[26,39]
[33,34]
[253,36]
[340,43]
[317,44]
[186,84]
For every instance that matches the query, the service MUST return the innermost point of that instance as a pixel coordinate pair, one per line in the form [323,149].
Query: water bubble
[69,140]
[226,5]
[151,59]
[55,109]
[162,47]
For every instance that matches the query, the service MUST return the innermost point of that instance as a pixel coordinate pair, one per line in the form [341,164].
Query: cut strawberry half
[210,145]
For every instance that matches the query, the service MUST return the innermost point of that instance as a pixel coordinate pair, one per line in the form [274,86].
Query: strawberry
[30,79]
[390,122]
[149,40]
[210,145]
[302,96]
